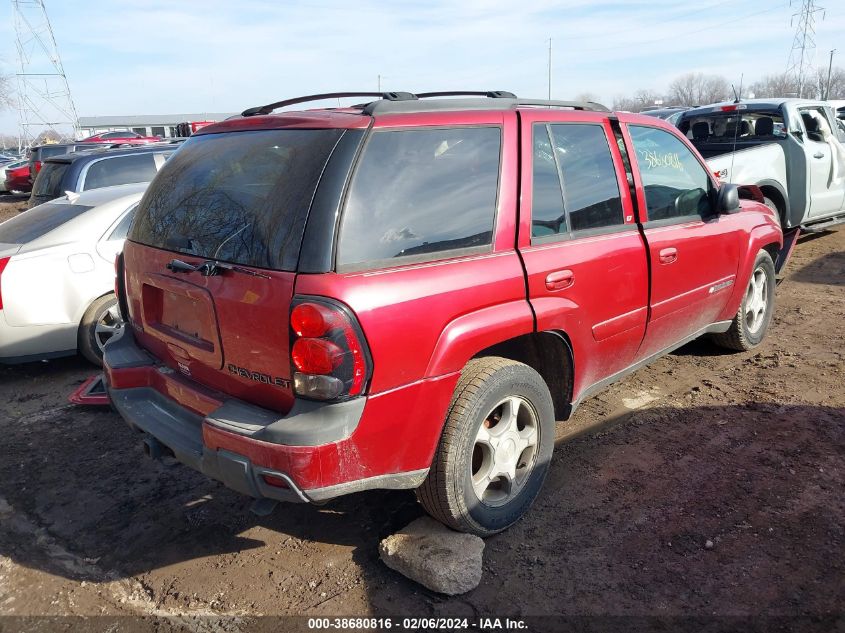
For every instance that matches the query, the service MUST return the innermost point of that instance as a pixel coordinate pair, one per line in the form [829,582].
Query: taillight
[328,351]
[37,166]
[3,263]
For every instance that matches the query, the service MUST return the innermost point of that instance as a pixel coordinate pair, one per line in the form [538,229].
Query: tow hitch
[92,392]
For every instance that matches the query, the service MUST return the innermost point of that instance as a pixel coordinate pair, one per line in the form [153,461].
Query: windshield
[739,125]
[239,197]
[39,221]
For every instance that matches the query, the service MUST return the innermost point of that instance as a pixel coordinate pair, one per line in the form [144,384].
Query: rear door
[239,198]
[584,257]
[693,254]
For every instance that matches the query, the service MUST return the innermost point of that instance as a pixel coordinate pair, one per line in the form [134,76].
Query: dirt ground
[708,484]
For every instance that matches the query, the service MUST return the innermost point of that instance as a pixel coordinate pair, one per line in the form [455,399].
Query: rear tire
[100,323]
[495,449]
[751,322]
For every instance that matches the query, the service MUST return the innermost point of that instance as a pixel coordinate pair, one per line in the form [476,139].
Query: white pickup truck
[792,149]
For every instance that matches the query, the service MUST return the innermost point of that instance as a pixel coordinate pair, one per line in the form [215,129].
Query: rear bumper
[318,450]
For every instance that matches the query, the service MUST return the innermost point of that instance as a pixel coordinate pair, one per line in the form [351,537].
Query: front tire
[100,323]
[495,449]
[751,322]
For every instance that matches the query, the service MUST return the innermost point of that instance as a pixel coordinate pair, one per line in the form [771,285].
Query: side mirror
[727,201]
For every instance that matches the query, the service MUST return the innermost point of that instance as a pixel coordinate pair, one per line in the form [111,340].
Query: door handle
[668,255]
[818,155]
[560,279]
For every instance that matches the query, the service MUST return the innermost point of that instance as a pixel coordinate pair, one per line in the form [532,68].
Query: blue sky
[160,56]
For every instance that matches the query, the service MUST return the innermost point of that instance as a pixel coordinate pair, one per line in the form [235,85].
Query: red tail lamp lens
[312,320]
[3,263]
[328,351]
[316,356]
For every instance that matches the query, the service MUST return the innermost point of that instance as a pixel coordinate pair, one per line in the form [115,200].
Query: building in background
[163,125]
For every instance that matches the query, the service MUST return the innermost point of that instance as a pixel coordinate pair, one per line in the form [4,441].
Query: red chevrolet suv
[410,292]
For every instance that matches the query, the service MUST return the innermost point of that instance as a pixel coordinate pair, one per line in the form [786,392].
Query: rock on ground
[438,558]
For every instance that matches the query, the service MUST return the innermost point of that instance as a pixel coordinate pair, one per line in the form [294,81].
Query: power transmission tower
[44,100]
[800,63]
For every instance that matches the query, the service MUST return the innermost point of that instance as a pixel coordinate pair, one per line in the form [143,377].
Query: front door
[693,253]
[826,190]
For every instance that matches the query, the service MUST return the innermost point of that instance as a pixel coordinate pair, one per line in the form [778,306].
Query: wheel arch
[549,353]
[85,306]
[775,191]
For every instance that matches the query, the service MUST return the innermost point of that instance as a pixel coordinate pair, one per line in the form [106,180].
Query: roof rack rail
[401,101]
[388,96]
[492,94]
[575,105]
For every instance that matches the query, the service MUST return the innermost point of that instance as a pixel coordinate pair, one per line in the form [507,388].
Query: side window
[815,123]
[120,170]
[590,189]
[122,228]
[547,213]
[675,183]
[419,193]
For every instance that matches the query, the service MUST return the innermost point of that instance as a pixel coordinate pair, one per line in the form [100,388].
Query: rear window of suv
[421,195]
[239,197]
[48,183]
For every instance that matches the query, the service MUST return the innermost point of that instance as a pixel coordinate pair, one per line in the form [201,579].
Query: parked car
[123,137]
[409,293]
[92,169]
[16,179]
[4,173]
[187,128]
[670,114]
[40,153]
[57,275]
[777,145]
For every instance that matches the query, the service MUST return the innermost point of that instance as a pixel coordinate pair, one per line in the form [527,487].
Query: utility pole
[829,69]
[803,44]
[550,69]
[379,83]
[44,100]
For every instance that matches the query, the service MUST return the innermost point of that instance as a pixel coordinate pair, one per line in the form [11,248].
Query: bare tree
[698,89]
[837,83]
[47,137]
[642,99]
[587,96]
[781,85]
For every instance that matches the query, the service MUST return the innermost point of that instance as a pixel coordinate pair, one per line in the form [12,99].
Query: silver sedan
[57,275]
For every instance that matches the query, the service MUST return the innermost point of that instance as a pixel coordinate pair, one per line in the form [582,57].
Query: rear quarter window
[420,195]
[119,170]
[38,221]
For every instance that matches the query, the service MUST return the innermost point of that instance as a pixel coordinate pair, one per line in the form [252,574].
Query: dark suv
[97,168]
[410,292]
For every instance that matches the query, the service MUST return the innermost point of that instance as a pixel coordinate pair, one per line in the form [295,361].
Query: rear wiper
[210,268]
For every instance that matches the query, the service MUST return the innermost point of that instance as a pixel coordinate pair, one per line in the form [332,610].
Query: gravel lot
[707,484]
